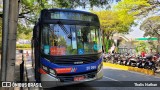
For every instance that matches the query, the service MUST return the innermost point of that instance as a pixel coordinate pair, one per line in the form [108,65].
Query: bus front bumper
[49,81]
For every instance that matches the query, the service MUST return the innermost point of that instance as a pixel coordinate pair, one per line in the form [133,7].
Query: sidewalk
[17,70]
[29,73]
[17,66]
[28,70]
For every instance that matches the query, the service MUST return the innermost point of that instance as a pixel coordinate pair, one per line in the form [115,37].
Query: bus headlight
[49,71]
[100,66]
[52,72]
[45,68]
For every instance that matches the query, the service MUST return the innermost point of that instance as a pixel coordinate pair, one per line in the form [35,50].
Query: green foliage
[78,3]
[131,5]
[108,45]
[151,26]
[23,45]
[30,9]
[29,13]
[142,46]
[24,32]
[121,17]
[115,21]
[62,42]
[112,22]
[71,51]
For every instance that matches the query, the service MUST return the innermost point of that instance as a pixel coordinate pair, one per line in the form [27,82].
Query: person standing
[143,53]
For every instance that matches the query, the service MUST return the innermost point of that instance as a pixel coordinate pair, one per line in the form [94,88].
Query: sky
[136,31]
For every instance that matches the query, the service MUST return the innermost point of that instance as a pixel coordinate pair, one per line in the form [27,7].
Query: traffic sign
[144,39]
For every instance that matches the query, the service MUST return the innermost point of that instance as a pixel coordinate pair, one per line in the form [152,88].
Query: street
[118,76]
[113,79]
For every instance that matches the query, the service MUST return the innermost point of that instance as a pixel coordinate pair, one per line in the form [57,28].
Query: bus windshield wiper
[64,29]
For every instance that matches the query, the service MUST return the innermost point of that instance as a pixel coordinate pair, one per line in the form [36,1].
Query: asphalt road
[114,79]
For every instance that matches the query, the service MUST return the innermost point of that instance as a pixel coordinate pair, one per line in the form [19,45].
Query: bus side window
[45,40]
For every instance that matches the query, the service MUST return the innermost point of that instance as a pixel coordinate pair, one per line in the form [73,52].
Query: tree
[24,32]
[134,7]
[29,11]
[151,27]
[114,22]
[141,46]
[130,5]
[120,18]
[79,3]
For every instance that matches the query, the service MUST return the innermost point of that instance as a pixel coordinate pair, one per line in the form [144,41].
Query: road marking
[110,78]
[111,68]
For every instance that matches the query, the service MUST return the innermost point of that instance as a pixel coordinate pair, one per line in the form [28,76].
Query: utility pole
[11,51]
[10,21]
[4,39]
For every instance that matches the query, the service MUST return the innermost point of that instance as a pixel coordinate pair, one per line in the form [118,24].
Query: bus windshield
[58,39]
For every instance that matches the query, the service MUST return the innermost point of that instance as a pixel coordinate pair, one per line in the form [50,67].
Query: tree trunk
[107,42]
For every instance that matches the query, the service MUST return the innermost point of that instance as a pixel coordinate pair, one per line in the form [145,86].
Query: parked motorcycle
[115,58]
[132,61]
[121,59]
[105,57]
[139,62]
[150,63]
[158,63]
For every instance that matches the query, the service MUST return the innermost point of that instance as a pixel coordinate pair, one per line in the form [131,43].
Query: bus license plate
[79,78]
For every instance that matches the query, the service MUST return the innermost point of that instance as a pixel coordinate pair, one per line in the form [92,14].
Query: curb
[30,73]
[129,68]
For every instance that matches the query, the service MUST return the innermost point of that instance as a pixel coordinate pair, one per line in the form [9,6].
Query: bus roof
[47,16]
[68,10]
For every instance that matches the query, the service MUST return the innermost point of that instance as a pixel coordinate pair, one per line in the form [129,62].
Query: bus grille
[73,59]
[68,78]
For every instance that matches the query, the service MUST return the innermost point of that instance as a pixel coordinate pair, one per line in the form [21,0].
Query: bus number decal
[90,67]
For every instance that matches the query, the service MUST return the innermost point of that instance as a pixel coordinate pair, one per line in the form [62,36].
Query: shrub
[23,45]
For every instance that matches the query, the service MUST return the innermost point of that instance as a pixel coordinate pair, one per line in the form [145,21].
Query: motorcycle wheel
[125,63]
[146,65]
[139,65]
[154,69]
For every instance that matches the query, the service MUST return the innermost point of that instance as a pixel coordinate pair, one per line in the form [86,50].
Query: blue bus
[67,47]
